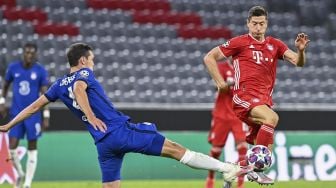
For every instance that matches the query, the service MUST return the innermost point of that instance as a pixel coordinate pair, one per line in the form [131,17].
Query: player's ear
[82,60]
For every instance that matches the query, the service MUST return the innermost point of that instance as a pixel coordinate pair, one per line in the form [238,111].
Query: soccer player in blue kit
[29,79]
[112,131]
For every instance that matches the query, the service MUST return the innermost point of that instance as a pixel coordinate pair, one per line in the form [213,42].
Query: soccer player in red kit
[224,121]
[254,60]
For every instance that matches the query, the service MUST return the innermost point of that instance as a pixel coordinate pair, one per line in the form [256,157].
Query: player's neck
[259,39]
[27,65]
[76,68]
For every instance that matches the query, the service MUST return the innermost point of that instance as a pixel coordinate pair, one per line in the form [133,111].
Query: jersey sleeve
[230,47]
[86,75]
[282,48]
[52,94]
[9,75]
[44,81]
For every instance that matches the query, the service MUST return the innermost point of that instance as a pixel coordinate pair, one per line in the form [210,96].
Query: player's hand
[4,128]
[223,87]
[3,110]
[45,124]
[301,41]
[97,124]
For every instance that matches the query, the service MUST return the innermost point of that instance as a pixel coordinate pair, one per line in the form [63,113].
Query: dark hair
[76,51]
[257,11]
[30,45]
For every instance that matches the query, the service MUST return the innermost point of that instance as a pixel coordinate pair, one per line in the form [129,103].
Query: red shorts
[220,129]
[243,103]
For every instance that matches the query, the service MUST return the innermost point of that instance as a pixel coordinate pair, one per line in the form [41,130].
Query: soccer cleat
[227,184]
[210,182]
[236,171]
[19,181]
[260,178]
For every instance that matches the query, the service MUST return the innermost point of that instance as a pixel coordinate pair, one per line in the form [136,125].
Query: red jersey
[254,62]
[223,106]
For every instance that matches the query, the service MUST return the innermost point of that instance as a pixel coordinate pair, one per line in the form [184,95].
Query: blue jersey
[27,83]
[101,106]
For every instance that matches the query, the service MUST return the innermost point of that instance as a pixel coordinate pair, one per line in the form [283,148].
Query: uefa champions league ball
[260,157]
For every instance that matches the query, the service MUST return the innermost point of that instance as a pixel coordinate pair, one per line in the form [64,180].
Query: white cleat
[227,184]
[19,181]
[236,171]
[260,178]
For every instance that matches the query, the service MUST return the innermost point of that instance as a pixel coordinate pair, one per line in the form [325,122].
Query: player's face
[29,55]
[89,61]
[257,26]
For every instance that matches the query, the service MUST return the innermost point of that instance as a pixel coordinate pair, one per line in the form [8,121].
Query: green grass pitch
[176,184]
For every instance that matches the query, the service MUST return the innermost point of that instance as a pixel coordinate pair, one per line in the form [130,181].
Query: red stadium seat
[8,3]
[138,5]
[47,28]
[25,14]
[201,32]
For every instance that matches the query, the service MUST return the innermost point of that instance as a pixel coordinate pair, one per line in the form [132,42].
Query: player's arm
[25,113]
[298,58]
[210,61]
[83,102]
[46,111]
[5,88]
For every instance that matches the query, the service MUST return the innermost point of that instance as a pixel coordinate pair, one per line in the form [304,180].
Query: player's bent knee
[113,184]
[272,119]
[173,150]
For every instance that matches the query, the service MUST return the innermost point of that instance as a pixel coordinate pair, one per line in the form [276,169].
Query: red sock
[242,149]
[265,135]
[215,152]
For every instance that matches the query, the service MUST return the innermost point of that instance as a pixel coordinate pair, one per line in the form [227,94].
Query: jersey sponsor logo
[67,80]
[84,73]
[257,55]
[33,76]
[226,44]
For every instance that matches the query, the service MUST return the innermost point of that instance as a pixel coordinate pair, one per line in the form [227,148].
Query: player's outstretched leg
[198,160]
[260,178]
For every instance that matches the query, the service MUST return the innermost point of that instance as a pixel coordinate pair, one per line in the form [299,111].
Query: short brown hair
[257,11]
[76,51]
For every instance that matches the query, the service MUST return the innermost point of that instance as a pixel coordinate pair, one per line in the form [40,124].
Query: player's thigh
[263,114]
[33,127]
[239,130]
[110,162]
[17,131]
[219,132]
[144,138]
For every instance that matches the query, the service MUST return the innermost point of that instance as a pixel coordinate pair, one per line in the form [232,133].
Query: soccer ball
[260,157]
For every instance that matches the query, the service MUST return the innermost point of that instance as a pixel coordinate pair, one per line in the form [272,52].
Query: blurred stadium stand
[152,50]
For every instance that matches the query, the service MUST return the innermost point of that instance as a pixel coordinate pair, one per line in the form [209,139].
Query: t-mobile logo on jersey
[257,55]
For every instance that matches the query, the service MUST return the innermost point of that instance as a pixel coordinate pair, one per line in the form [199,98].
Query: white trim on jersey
[237,74]
[240,102]
[267,129]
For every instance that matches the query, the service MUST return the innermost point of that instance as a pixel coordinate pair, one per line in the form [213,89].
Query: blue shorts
[31,126]
[137,138]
